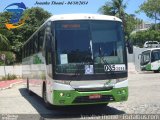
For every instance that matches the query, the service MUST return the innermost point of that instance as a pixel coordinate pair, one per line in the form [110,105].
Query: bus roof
[150,49]
[83,17]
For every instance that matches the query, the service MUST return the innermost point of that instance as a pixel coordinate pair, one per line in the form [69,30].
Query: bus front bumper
[72,97]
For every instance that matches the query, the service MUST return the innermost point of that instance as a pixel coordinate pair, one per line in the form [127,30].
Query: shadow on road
[70,111]
[147,72]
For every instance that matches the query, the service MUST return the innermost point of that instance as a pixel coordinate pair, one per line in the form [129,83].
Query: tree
[114,7]
[4,43]
[131,23]
[35,17]
[117,8]
[140,37]
[151,8]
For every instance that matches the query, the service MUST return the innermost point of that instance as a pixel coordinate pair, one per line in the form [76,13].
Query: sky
[91,7]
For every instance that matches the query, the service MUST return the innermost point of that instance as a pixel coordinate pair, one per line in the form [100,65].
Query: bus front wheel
[47,104]
[156,71]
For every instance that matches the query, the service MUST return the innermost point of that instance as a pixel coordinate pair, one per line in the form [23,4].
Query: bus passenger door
[49,56]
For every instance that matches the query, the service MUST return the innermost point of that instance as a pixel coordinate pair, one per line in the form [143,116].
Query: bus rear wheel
[28,90]
[156,71]
[47,104]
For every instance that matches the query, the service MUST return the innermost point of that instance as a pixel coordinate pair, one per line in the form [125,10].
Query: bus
[150,60]
[77,59]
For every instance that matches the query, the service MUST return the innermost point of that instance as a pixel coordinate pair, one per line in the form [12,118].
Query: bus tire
[104,105]
[156,71]
[47,104]
[28,90]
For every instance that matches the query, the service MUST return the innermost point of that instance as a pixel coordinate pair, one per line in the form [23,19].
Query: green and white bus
[150,60]
[77,59]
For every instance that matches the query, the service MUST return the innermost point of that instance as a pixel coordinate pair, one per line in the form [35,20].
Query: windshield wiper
[105,62]
[88,60]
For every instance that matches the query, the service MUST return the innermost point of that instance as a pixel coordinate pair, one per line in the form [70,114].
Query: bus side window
[33,46]
[30,48]
[36,43]
[27,50]
[40,39]
[48,50]
[48,56]
[24,51]
[155,56]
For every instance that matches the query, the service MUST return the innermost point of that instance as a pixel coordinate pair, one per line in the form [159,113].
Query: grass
[8,77]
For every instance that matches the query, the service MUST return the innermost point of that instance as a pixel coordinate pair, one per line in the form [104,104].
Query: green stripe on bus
[66,97]
[148,67]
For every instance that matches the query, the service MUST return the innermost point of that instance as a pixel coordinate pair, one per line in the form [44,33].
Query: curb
[11,85]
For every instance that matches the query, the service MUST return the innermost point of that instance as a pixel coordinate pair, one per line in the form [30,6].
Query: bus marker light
[68,95]
[61,94]
[123,91]
[61,101]
[119,92]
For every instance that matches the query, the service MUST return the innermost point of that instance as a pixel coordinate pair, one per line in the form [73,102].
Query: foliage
[151,9]
[113,7]
[155,27]
[4,43]
[9,77]
[140,37]
[35,17]
[10,58]
[131,23]
[117,8]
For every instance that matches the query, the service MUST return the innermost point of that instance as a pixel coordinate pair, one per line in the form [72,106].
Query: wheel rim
[27,85]
[44,96]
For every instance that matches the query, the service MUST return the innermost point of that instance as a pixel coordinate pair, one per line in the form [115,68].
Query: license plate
[95,96]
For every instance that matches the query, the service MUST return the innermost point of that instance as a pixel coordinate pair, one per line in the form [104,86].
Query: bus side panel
[38,73]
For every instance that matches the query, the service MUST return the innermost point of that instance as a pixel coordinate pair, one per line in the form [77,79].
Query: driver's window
[155,56]
[146,58]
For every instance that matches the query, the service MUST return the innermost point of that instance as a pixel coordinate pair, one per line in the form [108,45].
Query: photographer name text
[61,3]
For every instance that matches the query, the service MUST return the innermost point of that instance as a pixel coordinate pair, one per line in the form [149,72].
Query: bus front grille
[85,99]
[93,89]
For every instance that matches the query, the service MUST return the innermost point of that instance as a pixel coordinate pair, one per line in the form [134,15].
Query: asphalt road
[144,98]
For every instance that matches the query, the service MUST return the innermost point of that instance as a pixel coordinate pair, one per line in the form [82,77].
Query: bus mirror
[48,24]
[48,30]
[139,56]
[48,27]
[130,47]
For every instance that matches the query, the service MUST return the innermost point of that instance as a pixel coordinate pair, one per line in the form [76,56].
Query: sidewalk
[9,83]
[131,68]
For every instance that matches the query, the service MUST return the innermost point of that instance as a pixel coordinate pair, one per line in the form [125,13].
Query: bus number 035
[109,68]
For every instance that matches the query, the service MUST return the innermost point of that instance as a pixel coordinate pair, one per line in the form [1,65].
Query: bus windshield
[145,58]
[87,41]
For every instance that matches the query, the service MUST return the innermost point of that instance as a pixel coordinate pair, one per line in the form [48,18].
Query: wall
[16,70]
[133,59]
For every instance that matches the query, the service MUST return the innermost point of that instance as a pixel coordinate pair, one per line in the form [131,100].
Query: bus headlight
[63,81]
[114,81]
[120,80]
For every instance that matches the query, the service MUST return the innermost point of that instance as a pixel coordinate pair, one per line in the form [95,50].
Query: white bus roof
[151,49]
[83,17]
